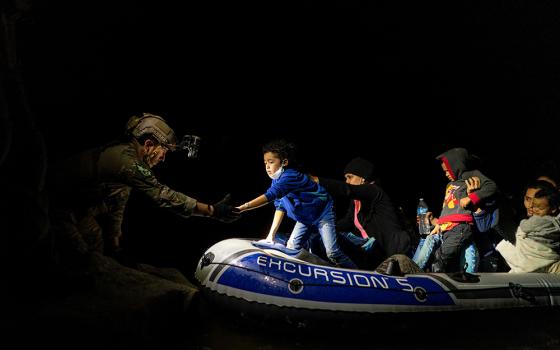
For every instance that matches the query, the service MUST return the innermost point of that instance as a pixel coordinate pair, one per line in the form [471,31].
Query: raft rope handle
[516,289]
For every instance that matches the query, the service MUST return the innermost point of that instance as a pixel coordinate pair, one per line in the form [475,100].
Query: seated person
[537,244]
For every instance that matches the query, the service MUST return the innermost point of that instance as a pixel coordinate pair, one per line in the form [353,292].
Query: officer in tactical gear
[91,189]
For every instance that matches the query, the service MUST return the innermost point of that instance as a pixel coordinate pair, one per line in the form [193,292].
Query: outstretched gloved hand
[225,212]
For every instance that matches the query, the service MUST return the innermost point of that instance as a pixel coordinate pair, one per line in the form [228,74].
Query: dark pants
[447,255]
[76,234]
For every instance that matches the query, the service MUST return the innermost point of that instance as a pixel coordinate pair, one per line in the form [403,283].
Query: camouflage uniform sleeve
[139,176]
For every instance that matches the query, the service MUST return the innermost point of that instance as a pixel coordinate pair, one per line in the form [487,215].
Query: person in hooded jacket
[469,256]
[456,221]
[371,221]
[304,201]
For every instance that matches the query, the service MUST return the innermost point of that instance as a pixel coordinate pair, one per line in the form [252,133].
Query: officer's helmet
[151,124]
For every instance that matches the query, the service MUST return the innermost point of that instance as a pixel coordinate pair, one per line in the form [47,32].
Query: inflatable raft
[269,273]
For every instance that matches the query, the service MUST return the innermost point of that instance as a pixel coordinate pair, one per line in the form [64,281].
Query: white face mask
[277,174]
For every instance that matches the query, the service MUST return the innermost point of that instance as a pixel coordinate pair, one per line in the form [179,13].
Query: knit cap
[361,167]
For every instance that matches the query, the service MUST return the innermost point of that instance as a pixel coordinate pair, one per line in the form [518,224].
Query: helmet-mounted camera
[190,145]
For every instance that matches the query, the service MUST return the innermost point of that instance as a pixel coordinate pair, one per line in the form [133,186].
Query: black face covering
[190,145]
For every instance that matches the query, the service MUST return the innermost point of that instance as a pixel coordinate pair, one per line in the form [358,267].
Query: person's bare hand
[465,202]
[473,184]
[313,178]
[429,219]
[436,230]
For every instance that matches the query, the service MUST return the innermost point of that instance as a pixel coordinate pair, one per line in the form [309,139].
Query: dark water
[225,323]
[258,327]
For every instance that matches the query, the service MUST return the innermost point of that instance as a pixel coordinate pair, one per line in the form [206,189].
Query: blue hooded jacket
[301,198]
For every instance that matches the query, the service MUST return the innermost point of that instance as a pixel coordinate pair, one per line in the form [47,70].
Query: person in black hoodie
[456,220]
[371,221]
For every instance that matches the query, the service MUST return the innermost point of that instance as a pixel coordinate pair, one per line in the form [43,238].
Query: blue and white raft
[272,274]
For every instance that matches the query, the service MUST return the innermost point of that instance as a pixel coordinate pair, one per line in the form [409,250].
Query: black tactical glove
[225,212]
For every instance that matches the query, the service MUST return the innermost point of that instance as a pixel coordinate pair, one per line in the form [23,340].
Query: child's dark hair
[551,194]
[284,150]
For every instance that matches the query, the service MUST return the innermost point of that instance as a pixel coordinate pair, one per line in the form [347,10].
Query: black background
[395,82]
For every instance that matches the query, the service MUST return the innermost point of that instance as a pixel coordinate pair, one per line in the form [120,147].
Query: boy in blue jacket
[302,199]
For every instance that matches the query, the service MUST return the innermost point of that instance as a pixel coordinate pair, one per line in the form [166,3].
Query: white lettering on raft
[327,275]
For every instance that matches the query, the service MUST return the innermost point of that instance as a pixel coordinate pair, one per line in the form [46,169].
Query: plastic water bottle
[421,211]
